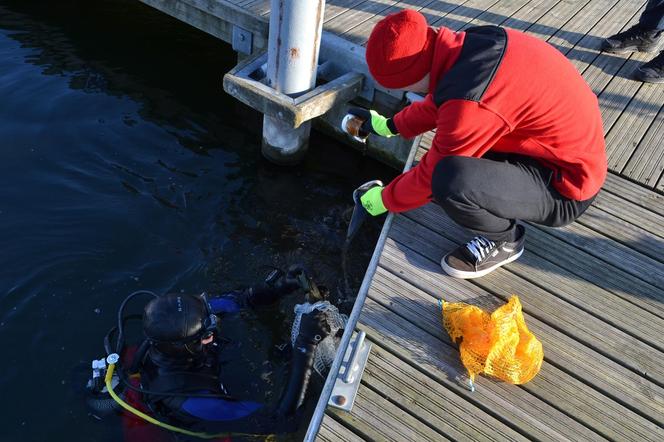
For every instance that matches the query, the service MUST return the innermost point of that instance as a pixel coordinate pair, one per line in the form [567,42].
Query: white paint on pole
[293,44]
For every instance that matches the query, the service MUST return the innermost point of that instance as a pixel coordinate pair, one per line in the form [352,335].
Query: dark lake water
[125,166]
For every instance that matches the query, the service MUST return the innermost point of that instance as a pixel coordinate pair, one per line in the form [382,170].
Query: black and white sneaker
[480,256]
[634,39]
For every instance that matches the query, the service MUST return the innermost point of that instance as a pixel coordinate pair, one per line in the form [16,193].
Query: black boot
[635,39]
[653,71]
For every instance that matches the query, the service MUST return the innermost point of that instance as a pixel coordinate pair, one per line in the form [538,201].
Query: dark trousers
[653,15]
[487,195]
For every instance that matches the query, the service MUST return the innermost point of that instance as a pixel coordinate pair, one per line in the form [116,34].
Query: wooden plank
[332,431]
[619,92]
[623,208]
[647,162]
[586,51]
[614,253]
[338,7]
[498,13]
[549,305]
[627,135]
[431,402]
[630,235]
[359,14]
[660,184]
[533,417]
[598,272]
[642,197]
[577,27]
[458,17]
[556,18]
[376,418]
[359,33]
[565,352]
[604,67]
[530,14]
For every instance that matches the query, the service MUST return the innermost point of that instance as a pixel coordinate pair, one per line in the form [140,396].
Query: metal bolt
[339,400]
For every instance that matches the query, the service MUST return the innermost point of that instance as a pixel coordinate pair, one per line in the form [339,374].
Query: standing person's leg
[653,15]
[653,18]
[645,36]
[487,196]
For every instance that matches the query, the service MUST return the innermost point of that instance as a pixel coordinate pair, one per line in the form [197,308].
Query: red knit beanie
[400,49]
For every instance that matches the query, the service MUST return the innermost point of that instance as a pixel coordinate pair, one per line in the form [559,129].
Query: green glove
[374,123]
[372,201]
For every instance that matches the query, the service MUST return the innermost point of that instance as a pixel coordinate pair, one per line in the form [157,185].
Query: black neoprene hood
[174,318]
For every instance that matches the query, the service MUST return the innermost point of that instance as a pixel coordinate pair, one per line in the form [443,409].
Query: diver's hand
[372,201]
[313,328]
[374,123]
[295,274]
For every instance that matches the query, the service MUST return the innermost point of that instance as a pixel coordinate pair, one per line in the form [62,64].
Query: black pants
[653,15]
[487,195]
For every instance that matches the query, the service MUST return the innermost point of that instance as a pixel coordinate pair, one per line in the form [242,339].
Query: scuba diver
[179,361]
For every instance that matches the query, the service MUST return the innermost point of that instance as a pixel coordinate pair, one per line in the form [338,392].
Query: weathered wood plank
[359,14]
[534,418]
[660,184]
[586,51]
[577,27]
[556,18]
[594,332]
[632,212]
[627,134]
[333,431]
[647,161]
[645,198]
[376,418]
[459,16]
[614,253]
[565,352]
[359,34]
[529,14]
[498,13]
[619,92]
[431,401]
[337,7]
[635,237]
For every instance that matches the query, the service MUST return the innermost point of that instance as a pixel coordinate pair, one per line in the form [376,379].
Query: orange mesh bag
[498,344]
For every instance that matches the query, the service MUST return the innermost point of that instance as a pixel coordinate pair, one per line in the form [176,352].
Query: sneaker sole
[638,76]
[470,275]
[629,50]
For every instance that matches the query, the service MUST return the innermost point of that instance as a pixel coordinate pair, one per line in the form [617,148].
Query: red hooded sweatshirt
[532,102]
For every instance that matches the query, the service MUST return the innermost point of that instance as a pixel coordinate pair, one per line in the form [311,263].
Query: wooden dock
[592,292]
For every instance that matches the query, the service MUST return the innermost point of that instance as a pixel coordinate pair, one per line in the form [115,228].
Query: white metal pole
[292,61]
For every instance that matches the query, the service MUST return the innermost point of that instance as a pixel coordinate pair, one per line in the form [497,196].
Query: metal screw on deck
[293,45]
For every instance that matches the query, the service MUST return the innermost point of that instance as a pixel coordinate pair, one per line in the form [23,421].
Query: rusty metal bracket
[246,83]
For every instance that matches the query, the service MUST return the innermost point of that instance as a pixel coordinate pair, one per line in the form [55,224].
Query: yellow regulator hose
[113,359]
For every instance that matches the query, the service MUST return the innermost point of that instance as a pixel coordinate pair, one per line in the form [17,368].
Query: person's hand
[374,123]
[372,201]
[313,328]
[296,277]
